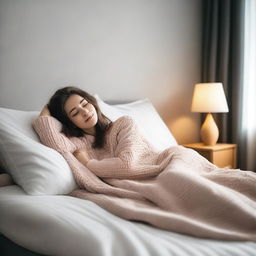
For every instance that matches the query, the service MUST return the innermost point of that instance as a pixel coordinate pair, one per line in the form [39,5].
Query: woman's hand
[45,111]
[82,156]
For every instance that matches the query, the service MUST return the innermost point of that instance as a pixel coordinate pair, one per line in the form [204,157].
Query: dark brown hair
[56,108]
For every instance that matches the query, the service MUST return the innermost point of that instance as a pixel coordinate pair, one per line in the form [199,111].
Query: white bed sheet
[63,225]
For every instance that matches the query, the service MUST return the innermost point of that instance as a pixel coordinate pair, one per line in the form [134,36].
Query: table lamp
[209,98]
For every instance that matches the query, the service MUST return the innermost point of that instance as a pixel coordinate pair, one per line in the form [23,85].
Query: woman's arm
[49,130]
[134,157]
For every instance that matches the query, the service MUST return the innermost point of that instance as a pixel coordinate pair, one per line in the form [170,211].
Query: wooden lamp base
[209,131]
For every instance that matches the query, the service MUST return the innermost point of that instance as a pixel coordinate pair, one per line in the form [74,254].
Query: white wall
[119,49]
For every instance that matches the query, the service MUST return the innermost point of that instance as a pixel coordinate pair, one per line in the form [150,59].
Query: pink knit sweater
[176,189]
[126,153]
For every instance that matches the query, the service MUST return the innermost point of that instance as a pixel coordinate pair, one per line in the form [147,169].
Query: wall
[116,48]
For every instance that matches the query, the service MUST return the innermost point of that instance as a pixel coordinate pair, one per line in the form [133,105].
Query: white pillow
[147,118]
[36,168]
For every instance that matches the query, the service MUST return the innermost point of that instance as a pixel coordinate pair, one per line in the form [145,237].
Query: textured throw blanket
[183,192]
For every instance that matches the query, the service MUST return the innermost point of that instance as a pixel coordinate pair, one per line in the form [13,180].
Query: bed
[37,217]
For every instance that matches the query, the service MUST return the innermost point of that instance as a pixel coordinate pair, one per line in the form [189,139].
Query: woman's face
[81,113]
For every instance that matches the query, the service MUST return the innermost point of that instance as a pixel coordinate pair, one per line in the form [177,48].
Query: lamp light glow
[209,98]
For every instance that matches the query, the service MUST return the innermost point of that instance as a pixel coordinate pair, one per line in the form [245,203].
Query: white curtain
[249,108]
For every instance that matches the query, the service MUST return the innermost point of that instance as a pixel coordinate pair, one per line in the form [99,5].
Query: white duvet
[63,225]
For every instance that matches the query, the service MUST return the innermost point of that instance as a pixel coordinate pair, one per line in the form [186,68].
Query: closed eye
[82,106]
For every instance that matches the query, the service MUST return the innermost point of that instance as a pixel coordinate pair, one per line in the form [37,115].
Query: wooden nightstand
[222,155]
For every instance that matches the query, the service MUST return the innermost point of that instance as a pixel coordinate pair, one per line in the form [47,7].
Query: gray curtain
[223,54]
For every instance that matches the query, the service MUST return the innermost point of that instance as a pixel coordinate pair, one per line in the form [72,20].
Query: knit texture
[175,189]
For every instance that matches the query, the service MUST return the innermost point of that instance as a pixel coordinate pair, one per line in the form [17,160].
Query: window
[249,95]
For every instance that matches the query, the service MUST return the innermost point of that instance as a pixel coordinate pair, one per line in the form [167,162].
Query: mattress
[64,225]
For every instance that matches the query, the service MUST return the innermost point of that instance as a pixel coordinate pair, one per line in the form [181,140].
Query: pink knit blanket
[176,189]
[189,196]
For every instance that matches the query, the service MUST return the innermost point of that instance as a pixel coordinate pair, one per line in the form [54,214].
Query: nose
[84,111]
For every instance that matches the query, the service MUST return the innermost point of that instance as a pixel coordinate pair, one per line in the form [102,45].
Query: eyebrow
[74,107]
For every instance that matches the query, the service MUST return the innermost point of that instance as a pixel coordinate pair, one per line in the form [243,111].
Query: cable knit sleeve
[134,156]
[49,130]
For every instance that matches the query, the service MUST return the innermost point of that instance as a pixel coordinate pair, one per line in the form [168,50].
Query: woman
[117,168]
[115,150]
[79,114]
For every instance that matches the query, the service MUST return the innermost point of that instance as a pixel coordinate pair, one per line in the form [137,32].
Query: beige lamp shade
[209,98]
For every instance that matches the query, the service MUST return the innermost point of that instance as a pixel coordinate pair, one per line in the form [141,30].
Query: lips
[89,118]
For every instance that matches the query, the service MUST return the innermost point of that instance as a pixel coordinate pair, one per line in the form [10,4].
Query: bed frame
[8,248]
